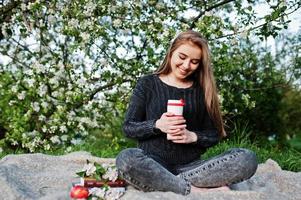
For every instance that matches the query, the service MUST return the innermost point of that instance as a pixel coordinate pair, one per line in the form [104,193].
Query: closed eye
[195,61]
[182,57]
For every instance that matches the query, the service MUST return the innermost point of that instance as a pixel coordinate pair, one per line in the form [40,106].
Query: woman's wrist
[193,136]
[156,128]
[156,123]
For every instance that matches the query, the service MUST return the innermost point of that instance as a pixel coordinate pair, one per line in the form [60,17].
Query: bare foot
[197,189]
[223,188]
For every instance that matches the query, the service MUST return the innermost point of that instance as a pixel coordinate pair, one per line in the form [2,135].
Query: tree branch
[109,85]
[206,10]
[24,47]
[91,96]
[8,10]
[279,85]
[258,26]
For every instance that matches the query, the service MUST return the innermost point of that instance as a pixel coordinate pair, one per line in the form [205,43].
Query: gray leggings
[150,173]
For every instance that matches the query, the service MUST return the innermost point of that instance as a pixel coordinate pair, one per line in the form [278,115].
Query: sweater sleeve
[208,135]
[135,125]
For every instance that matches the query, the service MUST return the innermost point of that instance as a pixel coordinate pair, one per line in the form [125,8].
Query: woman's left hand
[183,136]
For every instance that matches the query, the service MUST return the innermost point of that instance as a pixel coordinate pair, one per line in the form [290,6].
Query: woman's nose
[186,64]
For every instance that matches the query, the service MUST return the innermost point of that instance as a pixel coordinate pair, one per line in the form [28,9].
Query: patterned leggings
[150,173]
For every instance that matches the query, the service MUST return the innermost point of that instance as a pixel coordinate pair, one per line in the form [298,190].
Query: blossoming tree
[70,63]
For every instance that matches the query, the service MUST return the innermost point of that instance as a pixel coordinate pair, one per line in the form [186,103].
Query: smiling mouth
[183,71]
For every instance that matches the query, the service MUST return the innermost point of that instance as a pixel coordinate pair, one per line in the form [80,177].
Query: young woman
[170,146]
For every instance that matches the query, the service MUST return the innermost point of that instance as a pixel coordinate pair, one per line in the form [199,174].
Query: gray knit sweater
[149,102]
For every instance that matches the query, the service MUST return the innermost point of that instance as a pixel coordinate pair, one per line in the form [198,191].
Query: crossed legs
[148,174]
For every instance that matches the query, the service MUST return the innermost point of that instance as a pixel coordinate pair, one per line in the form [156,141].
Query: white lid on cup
[176,102]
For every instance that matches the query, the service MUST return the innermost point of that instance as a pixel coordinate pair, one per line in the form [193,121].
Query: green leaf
[81,174]
[97,177]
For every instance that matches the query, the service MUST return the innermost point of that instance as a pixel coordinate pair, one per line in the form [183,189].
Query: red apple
[79,192]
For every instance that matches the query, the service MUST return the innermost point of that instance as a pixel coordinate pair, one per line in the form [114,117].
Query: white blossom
[33,133]
[81,82]
[117,23]
[208,13]
[159,5]
[94,124]
[234,41]
[71,114]
[55,139]
[42,90]
[85,36]
[60,108]
[126,4]
[282,4]
[53,128]
[111,174]
[14,142]
[76,141]
[63,129]
[14,89]
[23,6]
[84,133]
[69,149]
[64,138]
[39,68]
[112,9]
[114,193]
[3,30]
[44,104]
[89,24]
[35,106]
[245,97]
[21,95]
[252,104]
[98,192]
[51,19]
[88,106]
[235,28]
[44,129]
[89,169]
[54,80]
[103,62]
[55,94]
[90,7]
[221,99]
[158,20]
[244,33]
[108,194]
[73,23]
[42,118]
[28,72]
[30,82]
[47,147]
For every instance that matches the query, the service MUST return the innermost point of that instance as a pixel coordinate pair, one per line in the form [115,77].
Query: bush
[38,117]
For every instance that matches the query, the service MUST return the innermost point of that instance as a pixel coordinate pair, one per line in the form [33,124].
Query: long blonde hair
[203,74]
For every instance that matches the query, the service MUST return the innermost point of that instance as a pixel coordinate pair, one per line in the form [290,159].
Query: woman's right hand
[169,123]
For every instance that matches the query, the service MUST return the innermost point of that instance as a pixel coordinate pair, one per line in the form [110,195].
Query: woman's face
[185,60]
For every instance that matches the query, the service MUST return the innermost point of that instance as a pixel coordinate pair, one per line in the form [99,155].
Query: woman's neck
[176,82]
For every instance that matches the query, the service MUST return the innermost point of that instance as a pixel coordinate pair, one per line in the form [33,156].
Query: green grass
[288,158]
[104,144]
[107,145]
